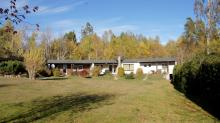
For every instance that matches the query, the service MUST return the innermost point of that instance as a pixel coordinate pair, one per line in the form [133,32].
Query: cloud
[54,10]
[60,9]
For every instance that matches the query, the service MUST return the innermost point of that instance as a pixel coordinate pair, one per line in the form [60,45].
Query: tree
[143,49]
[10,44]
[34,58]
[156,48]
[171,48]
[59,49]
[208,11]
[91,47]
[70,36]
[107,36]
[15,15]
[46,39]
[87,30]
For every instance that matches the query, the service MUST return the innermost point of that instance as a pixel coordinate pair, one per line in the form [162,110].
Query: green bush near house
[56,72]
[200,78]
[96,71]
[121,72]
[12,67]
[45,72]
[130,76]
[139,73]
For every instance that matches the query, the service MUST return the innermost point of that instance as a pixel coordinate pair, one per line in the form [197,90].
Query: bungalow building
[148,65]
[68,66]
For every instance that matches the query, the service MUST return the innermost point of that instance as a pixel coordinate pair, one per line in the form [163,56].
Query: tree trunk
[31,74]
[207,46]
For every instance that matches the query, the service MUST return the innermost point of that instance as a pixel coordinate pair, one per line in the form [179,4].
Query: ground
[96,100]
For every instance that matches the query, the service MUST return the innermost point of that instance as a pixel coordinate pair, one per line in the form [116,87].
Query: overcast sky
[164,18]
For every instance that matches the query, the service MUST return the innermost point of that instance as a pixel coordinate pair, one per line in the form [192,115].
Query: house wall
[171,68]
[149,68]
[136,66]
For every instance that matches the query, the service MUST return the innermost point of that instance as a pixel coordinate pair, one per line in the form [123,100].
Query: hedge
[121,72]
[96,71]
[129,76]
[139,73]
[200,78]
[56,72]
[11,67]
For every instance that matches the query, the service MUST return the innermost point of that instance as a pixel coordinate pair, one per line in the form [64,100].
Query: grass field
[97,100]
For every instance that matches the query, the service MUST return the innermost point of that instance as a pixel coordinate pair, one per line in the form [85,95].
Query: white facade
[149,68]
[136,66]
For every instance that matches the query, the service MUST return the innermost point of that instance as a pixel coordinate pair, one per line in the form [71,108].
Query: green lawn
[99,100]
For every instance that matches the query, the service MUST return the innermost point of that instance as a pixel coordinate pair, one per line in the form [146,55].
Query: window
[128,67]
[164,66]
[77,67]
[80,67]
[68,66]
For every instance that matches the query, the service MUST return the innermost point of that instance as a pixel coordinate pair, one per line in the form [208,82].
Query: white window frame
[129,67]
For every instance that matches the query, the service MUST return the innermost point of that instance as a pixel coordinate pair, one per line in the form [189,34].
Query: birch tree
[34,58]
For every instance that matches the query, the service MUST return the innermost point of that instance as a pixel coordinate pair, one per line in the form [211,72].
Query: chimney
[119,61]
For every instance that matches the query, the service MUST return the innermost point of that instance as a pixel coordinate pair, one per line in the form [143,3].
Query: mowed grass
[96,100]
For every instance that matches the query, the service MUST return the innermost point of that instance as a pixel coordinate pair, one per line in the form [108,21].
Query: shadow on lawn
[210,105]
[52,78]
[6,85]
[75,103]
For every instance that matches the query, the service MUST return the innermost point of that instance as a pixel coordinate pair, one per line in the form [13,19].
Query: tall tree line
[202,35]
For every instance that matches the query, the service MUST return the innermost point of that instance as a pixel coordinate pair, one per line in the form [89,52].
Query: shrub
[12,67]
[56,72]
[45,72]
[84,73]
[70,72]
[121,72]
[139,73]
[129,76]
[200,78]
[96,71]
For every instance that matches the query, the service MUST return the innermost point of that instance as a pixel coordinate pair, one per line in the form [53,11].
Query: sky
[163,18]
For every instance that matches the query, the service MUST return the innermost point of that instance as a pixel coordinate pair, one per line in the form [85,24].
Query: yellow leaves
[215,46]
[144,49]
[34,58]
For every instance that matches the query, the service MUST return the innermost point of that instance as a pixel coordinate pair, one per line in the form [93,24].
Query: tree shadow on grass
[6,85]
[47,107]
[211,106]
[52,78]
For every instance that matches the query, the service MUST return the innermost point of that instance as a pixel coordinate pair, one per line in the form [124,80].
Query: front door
[110,68]
[64,68]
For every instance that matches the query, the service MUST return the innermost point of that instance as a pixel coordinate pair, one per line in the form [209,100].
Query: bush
[45,72]
[84,73]
[200,78]
[12,67]
[139,73]
[121,72]
[96,71]
[129,76]
[56,72]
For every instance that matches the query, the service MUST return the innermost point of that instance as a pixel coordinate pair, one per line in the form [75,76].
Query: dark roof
[81,61]
[149,60]
[146,60]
